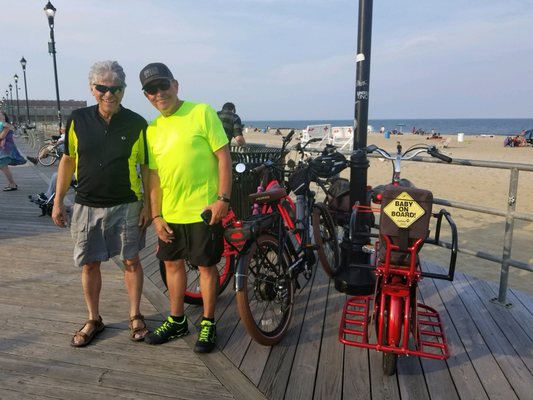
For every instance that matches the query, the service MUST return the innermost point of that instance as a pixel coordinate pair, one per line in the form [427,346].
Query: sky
[286,60]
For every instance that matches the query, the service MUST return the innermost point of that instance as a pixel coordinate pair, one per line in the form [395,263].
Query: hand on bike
[59,215]
[163,230]
[219,209]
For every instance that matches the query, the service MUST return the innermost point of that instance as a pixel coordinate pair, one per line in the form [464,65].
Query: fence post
[508,237]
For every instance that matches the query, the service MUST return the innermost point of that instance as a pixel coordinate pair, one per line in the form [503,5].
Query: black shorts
[198,243]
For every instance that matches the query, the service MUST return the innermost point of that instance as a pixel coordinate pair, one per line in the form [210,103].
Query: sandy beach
[486,187]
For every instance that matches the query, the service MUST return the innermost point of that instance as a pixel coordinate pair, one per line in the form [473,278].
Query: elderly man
[190,172]
[104,146]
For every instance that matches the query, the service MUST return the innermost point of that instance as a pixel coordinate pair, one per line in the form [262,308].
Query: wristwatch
[223,198]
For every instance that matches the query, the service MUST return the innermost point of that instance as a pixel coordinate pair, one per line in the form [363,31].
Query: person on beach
[104,145]
[232,123]
[9,154]
[189,172]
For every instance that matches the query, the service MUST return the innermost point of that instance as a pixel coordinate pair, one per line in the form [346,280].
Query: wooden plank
[134,381]
[439,380]
[512,366]
[329,375]
[513,331]
[304,367]
[487,369]
[279,364]
[383,386]
[356,379]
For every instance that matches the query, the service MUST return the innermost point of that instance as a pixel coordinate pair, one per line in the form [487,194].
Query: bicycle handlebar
[409,153]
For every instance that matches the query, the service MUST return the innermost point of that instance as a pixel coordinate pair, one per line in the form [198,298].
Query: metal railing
[510,215]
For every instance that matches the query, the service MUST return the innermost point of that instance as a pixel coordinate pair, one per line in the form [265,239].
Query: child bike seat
[404,219]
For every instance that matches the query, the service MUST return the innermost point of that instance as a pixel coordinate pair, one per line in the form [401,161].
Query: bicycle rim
[49,158]
[325,234]
[266,301]
[193,294]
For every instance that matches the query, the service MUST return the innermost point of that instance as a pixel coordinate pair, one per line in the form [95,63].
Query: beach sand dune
[487,187]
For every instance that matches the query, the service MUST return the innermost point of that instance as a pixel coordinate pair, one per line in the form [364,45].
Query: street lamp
[23,63]
[11,99]
[7,102]
[16,78]
[50,11]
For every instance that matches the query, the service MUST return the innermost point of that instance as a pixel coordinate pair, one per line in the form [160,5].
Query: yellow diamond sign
[403,210]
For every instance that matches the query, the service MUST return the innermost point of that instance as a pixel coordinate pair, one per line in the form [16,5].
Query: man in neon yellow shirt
[190,171]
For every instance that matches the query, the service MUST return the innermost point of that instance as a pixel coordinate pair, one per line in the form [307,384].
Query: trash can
[387,134]
[460,137]
[246,183]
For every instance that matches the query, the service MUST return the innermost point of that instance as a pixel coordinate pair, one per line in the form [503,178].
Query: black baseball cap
[153,72]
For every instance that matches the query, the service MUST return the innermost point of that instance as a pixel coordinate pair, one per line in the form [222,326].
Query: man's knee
[132,264]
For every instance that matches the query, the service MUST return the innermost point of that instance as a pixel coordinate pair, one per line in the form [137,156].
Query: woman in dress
[9,154]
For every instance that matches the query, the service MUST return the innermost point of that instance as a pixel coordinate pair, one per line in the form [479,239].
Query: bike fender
[241,266]
[239,274]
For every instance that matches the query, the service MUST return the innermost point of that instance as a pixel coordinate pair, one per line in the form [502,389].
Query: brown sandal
[138,334]
[97,327]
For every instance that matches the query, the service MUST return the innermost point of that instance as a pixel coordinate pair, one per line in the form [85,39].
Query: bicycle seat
[273,194]
[404,218]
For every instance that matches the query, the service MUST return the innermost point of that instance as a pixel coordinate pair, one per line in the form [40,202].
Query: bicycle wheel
[266,301]
[394,322]
[325,234]
[47,155]
[193,295]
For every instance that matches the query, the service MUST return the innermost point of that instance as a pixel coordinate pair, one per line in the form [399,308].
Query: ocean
[492,126]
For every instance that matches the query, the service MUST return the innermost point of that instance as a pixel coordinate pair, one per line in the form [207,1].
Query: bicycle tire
[393,330]
[390,361]
[193,295]
[48,158]
[325,235]
[265,304]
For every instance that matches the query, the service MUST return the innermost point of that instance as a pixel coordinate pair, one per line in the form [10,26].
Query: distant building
[45,111]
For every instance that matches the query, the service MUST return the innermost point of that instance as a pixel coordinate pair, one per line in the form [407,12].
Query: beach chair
[317,131]
[342,136]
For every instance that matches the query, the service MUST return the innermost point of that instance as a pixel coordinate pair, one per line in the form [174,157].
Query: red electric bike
[392,320]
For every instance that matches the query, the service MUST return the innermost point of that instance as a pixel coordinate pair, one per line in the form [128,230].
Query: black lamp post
[11,99]
[354,278]
[50,11]
[23,63]
[16,78]
[8,111]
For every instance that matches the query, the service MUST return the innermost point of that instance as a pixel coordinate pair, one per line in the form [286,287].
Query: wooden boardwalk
[41,305]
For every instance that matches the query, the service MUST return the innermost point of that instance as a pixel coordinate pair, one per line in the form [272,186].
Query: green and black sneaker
[206,338]
[168,330]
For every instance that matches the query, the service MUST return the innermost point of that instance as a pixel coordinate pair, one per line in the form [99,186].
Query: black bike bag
[249,229]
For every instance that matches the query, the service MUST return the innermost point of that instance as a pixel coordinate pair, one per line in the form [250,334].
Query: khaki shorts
[102,233]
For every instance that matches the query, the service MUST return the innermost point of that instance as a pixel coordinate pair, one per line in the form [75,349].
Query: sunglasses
[104,89]
[154,88]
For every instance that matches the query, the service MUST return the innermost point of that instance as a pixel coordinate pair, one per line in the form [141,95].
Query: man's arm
[160,225]
[220,208]
[237,131]
[67,166]
[240,140]
[144,218]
